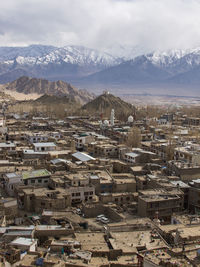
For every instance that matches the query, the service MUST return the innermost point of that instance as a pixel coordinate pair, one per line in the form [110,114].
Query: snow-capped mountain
[55,63]
[89,68]
[38,54]
[32,51]
[172,70]
[176,61]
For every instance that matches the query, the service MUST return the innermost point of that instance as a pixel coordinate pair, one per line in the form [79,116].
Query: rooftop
[82,156]
[23,241]
[35,174]
[47,144]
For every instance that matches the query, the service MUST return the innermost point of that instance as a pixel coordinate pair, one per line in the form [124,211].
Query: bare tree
[134,137]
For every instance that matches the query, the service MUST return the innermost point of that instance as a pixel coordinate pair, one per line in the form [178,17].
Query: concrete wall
[91,211]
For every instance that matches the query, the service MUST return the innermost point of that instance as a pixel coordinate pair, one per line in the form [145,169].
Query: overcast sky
[150,24]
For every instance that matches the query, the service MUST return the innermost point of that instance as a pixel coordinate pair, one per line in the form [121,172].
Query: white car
[98,218]
[104,220]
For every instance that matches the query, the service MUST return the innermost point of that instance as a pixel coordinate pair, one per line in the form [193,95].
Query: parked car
[104,220]
[98,218]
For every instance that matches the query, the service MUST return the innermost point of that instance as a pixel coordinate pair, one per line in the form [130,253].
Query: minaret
[112,117]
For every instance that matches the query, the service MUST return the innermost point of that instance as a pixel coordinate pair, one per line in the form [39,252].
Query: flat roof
[92,241]
[82,156]
[47,144]
[49,227]
[7,145]
[180,183]
[23,241]
[131,240]
[12,175]
[35,174]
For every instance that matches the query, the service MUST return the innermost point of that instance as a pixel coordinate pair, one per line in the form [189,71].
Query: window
[78,194]
[42,204]
[32,181]
[40,180]
[86,193]
[91,193]
[45,181]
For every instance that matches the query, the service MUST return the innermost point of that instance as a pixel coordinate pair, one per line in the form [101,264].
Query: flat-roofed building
[38,199]
[8,146]
[160,203]
[36,137]
[36,177]
[81,194]
[130,157]
[42,147]
[25,244]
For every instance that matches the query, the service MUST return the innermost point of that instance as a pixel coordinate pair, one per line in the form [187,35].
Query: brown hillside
[29,85]
[104,103]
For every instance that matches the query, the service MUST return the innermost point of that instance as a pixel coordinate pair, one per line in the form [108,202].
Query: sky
[145,25]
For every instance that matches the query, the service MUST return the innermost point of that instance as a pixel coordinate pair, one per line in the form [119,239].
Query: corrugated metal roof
[82,156]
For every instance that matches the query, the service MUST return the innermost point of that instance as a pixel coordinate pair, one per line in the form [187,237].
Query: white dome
[106,122]
[130,118]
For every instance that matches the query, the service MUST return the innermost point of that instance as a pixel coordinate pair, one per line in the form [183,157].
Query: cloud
[150,24]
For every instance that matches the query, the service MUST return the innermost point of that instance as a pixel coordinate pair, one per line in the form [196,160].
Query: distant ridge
[28,85]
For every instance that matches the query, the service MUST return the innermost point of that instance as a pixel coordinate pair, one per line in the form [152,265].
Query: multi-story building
[159,202]
[36,137]
[39,199]
[81,194]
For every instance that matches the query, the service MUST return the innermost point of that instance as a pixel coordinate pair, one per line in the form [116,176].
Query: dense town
[96,191]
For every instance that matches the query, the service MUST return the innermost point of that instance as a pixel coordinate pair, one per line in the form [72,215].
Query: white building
[8,146]
[26,244]
[130,157]
[80,141]
[112,117]
[42,147]
[36,138]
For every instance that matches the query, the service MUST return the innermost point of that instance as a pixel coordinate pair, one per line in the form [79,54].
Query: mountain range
[65,63]
[168,72]
[59,89]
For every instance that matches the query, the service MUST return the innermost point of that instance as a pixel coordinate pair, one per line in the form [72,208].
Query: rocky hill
[29,85]
[104,103]
[53,99]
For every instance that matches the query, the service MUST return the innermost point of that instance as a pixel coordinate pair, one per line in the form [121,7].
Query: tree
[134,137]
